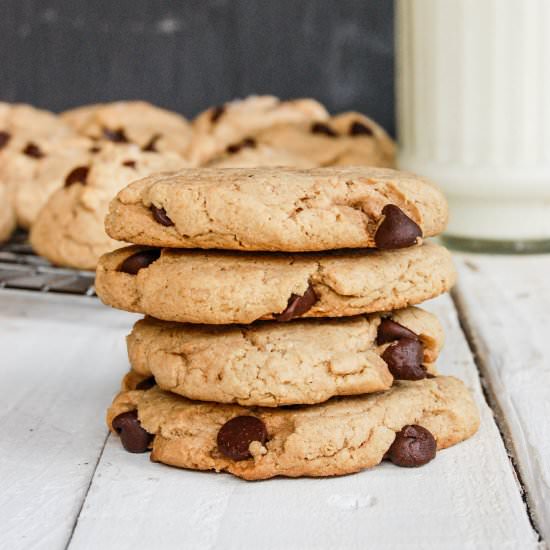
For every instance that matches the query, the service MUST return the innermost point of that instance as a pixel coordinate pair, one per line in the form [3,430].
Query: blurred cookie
[69,230]
[7,214]
[248,153]
[219,127]
[345,139]
[152,128]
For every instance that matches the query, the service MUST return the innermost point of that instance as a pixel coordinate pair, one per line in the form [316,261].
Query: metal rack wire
[22,269]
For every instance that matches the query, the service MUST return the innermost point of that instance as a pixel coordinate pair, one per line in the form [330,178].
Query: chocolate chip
[144,258]
[32,150]
[151,145]
[397,230]
[389,331]
[4,139]
[413,446]
[236,147]
[95,149]
[298,305]
[236,435]
[404,359]
[133,437]
[216,113]
[116,136]
[320,128]
[359,129]
[161,216]
[146,383]
[129,163]
[430,375]
[77,175]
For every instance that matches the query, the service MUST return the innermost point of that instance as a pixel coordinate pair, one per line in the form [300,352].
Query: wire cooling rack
[22,269]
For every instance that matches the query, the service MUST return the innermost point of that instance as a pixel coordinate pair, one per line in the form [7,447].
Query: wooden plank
[467,498]
[58,355]
[505,303]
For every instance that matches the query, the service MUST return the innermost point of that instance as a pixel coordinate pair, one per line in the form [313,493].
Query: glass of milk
[473,110]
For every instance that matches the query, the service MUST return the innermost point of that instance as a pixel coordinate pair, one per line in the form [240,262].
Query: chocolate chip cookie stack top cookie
[269,287]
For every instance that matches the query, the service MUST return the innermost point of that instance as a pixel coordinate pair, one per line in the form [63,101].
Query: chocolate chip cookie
[345,139]
[69,229]
[217,287]
[226,125]
[7,214]
[405,424]
[138,122]
[271,364]
[248,154]
[279,209]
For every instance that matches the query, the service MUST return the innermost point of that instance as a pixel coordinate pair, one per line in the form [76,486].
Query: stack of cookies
[280,336]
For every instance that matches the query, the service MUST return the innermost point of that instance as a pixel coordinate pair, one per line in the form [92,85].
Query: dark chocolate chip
[144,258]
[4,139]
[161,216]
[359,129]
[320,128]
[298,305]
[77,175]
[116,136]
[236,435]
[236,147]
[216,113]
[133,437]
[404,359]
[129,163]
[146,383]
[151,145]
[95,149]
[397,230]
[413,446]
[389,331]
[32,150]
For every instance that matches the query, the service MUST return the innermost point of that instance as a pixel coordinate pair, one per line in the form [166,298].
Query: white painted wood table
[65,483]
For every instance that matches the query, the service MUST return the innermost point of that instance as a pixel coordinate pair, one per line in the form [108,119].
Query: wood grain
[61,362]
[505,304]
[467,498]
[189,55]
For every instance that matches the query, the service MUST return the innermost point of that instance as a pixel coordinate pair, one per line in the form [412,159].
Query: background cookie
[219,127]
[338,437]
[345,139]
[279,209]
[7,214]
[272,364]
[216,287]
[248,154]
[69,229]
[138,122]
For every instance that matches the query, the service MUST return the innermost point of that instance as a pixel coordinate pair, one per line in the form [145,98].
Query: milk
[473,109]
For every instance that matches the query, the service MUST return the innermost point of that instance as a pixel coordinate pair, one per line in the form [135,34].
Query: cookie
[46,174]
[279,209]
[152,128]
[23,127]
[216,287]
[342,436]
[248,154]
[7,214]
[69,229]
[345,139]
[271,364]
[219,127]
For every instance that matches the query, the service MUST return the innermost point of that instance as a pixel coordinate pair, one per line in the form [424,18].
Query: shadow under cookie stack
[280,335]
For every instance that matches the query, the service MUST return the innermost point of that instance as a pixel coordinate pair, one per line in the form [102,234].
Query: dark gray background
[189,54]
